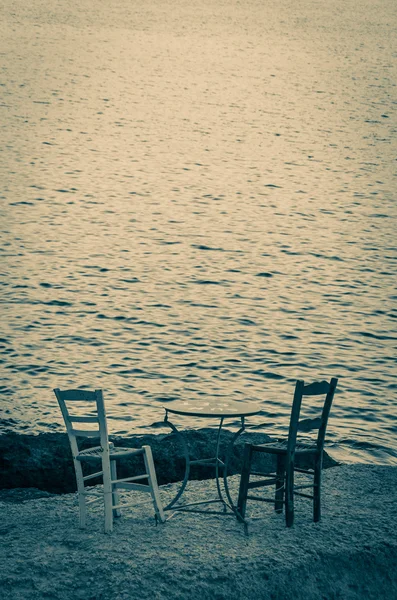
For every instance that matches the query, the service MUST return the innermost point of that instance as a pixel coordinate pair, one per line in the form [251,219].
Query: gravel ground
[350,554]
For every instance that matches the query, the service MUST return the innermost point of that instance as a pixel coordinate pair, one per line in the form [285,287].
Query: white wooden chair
[107,454]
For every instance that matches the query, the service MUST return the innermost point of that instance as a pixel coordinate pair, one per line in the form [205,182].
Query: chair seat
[280,447]
[115,453]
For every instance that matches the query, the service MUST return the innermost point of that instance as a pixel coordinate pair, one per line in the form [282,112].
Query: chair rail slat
[86,433]
[117,506]
[262,483]
[318,388]
[77,395]
[261,499]
[93,475]
[304,495]
[132,486]
[305,471]
[83,419]
[94,500]
[126,479]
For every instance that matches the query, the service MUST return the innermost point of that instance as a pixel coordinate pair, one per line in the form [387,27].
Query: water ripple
[216,226]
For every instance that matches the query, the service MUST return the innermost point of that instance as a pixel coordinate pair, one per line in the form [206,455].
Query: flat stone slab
[351,554]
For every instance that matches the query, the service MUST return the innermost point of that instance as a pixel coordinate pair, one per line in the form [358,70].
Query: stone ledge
[350,554]
[44,461]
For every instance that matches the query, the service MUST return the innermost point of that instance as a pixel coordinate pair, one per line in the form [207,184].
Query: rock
[19,495]
[44,461]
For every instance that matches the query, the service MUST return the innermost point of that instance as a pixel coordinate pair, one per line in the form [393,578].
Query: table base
[224,497]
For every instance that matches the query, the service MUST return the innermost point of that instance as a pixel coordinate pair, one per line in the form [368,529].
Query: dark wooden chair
[286,452]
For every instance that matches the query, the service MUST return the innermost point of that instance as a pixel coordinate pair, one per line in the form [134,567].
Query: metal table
[218,409]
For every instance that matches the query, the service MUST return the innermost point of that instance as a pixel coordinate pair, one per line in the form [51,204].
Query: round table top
[213,408]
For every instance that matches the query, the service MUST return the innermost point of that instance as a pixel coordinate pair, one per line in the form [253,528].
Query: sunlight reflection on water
[199,203]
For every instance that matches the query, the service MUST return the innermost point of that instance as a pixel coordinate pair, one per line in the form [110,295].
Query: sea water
[198,202]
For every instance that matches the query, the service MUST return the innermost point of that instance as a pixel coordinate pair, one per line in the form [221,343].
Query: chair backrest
[321,388]
[93,398]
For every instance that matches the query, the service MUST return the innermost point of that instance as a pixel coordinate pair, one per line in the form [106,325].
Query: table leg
[227,458]
[217,463]
[187,462]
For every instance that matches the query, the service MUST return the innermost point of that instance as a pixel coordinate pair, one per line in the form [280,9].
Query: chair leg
[244,481]
[289,494]
[108,511]
[154,489]
[107,494]
[115,495]
[317,491]
[280,484]
[80,493]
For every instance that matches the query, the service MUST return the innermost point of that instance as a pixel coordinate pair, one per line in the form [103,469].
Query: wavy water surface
[198,201]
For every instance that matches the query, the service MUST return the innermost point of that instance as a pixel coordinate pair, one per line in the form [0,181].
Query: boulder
[44,461]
